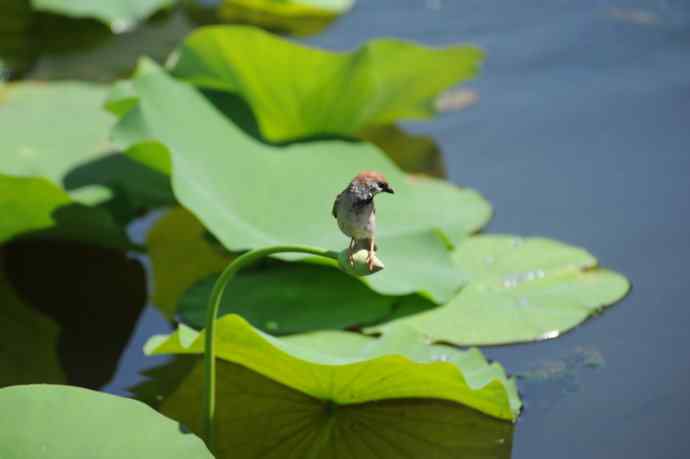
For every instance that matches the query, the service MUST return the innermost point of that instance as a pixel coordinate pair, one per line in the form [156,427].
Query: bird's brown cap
[372,176]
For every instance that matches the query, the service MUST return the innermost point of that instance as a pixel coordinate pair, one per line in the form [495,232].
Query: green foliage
[258,417]
[73,150]
[70,422]
[46,47]
[298,17]
[275,297]
[293,298]
[250,137]
[119,14]
[517,290]
[332,93]
[213,161]
[35,207]
[347,368]
[73,127]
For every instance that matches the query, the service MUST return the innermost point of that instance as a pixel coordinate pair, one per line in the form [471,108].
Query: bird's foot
[351,257]
[370,261]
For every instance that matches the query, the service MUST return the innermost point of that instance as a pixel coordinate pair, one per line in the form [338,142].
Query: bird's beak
[388,189]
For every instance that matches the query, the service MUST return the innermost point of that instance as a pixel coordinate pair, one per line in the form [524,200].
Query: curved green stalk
[213,307]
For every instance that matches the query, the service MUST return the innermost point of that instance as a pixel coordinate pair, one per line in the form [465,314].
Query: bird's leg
[370,255]
[350,252]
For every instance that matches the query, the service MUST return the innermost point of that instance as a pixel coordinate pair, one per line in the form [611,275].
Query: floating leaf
[73,127]
[101,55]
[518,290]
[257,417]
[295,187]
[73,151]
[298,17]
[279,297]
[362,370]
[291,298]
[63,421]
[28,346]
[119,14]
[36,207]
[328,93]
[43,46]
[180,256]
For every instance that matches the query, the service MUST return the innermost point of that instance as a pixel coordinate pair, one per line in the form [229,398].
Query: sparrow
[355,212]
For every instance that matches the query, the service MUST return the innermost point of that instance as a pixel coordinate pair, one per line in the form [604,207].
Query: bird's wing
[334,211]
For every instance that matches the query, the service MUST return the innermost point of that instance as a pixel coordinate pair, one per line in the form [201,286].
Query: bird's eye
[381,185]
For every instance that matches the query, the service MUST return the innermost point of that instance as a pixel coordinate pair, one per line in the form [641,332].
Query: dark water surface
[582,133]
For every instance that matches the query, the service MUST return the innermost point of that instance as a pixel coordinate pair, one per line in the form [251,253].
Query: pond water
[582,134]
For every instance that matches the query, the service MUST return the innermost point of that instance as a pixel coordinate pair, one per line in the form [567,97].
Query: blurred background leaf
[35,207]
[297,17]
[384,81]
[120,15]
[50,128]
[78,423]
[49,46]
[73,150]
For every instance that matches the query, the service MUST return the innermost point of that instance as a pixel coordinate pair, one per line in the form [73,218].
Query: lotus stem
[209,408]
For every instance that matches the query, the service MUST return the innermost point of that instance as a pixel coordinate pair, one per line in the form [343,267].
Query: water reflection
[94,295]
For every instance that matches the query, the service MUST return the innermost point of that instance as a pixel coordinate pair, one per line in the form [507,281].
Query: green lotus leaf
[120,15]
[29,340]
[49,47]
[276,297]
[73,151]
[298,17]
[36,207]
[73,127]
[259,418]
[122,96]
[291,298]
[71,422]
[347,369]
[415,154]
[293,187]
[517,290]
[384,81]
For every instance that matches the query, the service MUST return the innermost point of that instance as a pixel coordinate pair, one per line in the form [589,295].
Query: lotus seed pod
[361,263]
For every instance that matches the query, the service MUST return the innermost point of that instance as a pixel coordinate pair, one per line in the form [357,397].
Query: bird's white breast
[358,222]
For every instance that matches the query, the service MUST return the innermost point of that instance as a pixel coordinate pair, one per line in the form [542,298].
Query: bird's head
[368,184]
